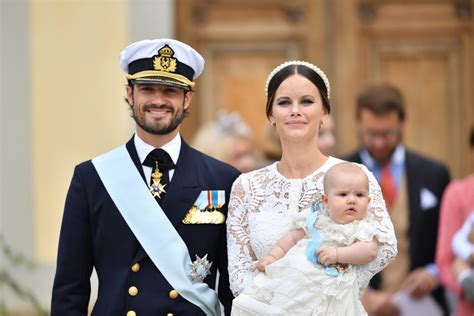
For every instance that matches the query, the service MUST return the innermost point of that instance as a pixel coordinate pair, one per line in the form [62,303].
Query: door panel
[425,47]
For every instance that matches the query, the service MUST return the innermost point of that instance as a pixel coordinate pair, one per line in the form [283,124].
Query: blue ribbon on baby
[316,241]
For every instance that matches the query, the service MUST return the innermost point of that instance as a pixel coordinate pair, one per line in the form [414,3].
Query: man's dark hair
[381,100]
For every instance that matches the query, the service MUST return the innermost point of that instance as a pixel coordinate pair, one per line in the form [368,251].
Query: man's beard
[158,128]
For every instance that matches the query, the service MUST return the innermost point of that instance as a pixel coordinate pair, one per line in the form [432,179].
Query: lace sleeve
[240,253]
[379,219]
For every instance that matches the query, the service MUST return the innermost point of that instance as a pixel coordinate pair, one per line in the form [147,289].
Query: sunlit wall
[61,103]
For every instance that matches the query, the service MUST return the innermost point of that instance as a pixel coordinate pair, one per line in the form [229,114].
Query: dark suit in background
[412,186]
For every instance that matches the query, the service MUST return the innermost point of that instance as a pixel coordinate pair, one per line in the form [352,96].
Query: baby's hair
[343,167]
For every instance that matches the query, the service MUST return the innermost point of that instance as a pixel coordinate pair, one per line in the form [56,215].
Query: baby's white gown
[295,286]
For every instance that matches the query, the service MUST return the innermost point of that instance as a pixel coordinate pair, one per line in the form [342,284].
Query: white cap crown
[162,61]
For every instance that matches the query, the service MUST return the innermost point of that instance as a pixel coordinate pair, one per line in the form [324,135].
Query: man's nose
[158,98]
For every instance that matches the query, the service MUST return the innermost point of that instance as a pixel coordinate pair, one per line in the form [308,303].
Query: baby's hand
[327,255]
[263,262]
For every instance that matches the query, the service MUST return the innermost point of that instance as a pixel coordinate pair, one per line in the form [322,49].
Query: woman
[457,206]
[264,202]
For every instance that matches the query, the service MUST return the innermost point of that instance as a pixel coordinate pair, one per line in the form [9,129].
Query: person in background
[412,186]
[271,148]
[327,137]
[265,201]
[457,213]
[229,139]
[463,248]
[148,216]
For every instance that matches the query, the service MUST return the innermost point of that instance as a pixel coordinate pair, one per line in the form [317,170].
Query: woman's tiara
[303,63]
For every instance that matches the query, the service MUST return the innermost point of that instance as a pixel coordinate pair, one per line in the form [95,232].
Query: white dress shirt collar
[172,148]
[398,157]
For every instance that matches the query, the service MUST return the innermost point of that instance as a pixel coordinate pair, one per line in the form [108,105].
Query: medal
[206,209]
[192,217]
[156,187]
[200,269]
[215,199]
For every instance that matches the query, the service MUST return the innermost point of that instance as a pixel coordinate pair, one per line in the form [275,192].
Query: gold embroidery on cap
[155,73]
[165,61]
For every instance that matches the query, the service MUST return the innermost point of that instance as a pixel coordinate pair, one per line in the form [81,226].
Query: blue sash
[316,240]
[151,227]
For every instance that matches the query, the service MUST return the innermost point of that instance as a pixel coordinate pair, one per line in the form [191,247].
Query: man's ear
[188,96]
[401,128]
[129,91]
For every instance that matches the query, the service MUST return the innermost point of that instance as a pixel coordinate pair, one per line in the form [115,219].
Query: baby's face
[347,198]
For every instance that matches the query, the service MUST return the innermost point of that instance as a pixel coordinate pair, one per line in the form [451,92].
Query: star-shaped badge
[200,269]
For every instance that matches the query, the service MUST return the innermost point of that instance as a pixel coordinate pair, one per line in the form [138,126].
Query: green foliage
[7,281]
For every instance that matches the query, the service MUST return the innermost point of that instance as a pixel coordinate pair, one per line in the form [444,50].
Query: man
[148,216]
[412,186]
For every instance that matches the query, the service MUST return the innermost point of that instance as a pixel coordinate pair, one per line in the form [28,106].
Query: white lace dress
[263,207]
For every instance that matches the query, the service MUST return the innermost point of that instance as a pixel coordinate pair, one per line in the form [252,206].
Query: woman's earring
[274,123]
[320,124]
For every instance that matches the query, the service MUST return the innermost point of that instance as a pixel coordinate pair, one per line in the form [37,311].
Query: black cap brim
[164,81]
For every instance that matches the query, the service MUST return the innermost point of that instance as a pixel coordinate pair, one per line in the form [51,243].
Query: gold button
[133,291]
[173,294]
[131,313]
[136,267]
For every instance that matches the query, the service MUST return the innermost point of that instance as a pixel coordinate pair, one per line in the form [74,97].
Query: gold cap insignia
[164,61]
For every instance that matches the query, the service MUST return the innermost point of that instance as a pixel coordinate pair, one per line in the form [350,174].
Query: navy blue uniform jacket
[94,235]
[421,172]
